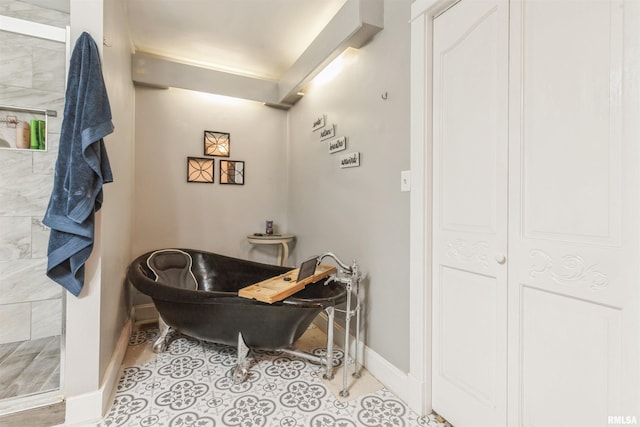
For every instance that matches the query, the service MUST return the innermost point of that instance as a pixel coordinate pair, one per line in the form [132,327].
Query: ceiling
[258,38]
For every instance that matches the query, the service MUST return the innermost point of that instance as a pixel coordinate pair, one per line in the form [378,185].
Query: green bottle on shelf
[42,134]
[35,128]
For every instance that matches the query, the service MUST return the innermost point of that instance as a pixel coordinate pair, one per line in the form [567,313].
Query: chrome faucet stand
[350,277]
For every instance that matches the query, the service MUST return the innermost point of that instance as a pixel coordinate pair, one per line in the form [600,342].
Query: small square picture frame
[200,169]
[232,172]
[217,143]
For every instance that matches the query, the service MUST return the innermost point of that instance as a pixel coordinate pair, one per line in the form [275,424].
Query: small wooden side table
[282,240]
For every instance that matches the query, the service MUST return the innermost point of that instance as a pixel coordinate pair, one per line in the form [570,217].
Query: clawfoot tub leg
[241,370]
[162,342]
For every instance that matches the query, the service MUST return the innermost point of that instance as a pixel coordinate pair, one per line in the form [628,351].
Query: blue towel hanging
[82,167]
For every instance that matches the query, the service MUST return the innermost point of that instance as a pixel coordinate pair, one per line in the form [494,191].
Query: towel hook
[384,96]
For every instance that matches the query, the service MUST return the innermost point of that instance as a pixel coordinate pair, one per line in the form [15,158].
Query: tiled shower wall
[32,75]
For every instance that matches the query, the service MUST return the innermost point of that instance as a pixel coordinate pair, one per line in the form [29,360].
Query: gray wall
[360,212]
[169,212]
[291,178]
[32,74]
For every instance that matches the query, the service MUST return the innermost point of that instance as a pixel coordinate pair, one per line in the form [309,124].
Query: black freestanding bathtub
[196,293]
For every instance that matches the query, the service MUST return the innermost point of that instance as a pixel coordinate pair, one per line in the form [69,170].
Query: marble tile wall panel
[23,193]
[48,69]
[9,38]
[34,98]
[39,239]
[32,63]
[49,45]
[55,123]
[16,322]
[46,318]
[26,281]
[26,195]
[15,65]
[14,163]
[15,238]
[32,75]
[44,163]
[17,41]
[22,10]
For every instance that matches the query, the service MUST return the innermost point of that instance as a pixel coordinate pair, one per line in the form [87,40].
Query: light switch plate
[405,181]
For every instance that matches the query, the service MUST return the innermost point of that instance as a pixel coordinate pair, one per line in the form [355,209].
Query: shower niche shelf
[13,128]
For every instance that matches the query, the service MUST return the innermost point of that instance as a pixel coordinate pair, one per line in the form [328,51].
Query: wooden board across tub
[277,288]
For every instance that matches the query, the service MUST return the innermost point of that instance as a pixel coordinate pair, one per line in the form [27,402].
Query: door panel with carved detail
[470,66]
[536,143]
[574,214]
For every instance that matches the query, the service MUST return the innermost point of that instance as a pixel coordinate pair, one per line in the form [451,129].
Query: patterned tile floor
[189,385]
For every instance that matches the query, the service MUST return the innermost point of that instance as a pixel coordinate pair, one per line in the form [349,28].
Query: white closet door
[470,112]
[574,212]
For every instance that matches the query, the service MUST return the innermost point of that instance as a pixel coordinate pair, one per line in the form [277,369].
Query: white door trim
[422,14]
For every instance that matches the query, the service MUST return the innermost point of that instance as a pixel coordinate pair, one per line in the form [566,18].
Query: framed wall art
[231,172]
[200,170]
[217,143]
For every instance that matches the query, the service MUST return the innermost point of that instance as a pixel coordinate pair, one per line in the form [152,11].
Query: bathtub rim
[158,290]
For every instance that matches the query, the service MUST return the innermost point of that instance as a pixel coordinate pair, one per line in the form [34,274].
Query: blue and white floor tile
[190,385]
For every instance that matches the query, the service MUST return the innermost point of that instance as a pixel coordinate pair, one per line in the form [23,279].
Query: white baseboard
[114,369]
[145,313]
[84,409]
[400,383]
[418,396]
[88,409]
